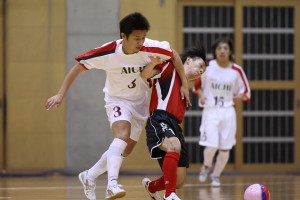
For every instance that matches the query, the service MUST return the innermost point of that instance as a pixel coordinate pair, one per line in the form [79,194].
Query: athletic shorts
[135,112]
[218,128]
[162,124]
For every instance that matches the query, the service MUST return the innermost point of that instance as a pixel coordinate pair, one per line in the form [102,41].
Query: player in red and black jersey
[165,140]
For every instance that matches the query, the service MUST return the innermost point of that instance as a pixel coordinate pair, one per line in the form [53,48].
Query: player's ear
[123,35]
[188,59]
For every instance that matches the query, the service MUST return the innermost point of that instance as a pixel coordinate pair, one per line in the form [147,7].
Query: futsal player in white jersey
[126,94]
[223,84]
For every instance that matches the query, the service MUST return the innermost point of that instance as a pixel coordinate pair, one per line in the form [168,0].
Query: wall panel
[35,62]
[2,86]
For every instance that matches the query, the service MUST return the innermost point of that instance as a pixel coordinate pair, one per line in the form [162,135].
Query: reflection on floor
[57,187]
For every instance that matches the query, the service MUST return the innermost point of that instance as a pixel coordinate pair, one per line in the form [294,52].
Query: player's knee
[174,145]
[122,135]
[121,129]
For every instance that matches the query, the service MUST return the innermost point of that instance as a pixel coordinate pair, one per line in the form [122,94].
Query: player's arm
[239,98]
[244,92]
[150,70]
[56,100]
[184,90]
[201,96]
[197,90]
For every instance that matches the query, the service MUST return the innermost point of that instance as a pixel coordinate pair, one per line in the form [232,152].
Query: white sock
[209,154]
[114,160]
[221,162]
[99,168]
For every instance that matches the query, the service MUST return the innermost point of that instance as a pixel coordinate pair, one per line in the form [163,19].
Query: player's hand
[53,102]
[184,91]
[239,98]
[201,100]
[155,60]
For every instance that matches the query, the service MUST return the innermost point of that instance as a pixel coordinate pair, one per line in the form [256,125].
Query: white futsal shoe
[203,173]
[172,196]
[88,185]
[215,181]
[114,192]
[155,195]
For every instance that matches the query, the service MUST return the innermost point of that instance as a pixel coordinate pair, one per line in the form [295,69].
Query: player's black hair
[133,21]
[223,40]
[195,52]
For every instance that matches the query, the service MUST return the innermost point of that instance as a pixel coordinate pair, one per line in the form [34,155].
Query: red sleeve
[197,86]
[101,51]
[158,50]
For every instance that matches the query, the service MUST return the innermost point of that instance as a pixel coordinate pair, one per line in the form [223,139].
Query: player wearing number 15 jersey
[223,83]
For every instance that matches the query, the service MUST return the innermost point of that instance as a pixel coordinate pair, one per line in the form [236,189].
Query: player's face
[134,42]
[223,52]
[194,68]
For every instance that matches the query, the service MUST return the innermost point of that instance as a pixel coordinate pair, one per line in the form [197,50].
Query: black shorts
[162,124]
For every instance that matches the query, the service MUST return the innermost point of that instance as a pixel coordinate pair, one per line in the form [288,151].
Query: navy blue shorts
[162,124]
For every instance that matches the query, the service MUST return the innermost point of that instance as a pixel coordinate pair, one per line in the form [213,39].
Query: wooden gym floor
[58,187]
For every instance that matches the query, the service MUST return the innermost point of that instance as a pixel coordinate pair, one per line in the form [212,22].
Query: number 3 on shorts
[117,110]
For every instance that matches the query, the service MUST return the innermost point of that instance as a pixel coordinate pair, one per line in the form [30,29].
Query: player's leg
[208,154]
[162,142]
[183,162]
[133,115]
[227,141]
[121,130]
[112,158]
[111,161]
[137,126]
[169,166]
[220,164]
[119,116]
[152,187]
[172,147]
[99,168]
[159,185]
[181,175]
[209,137]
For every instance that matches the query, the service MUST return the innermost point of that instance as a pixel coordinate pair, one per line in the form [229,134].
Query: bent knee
[172,144]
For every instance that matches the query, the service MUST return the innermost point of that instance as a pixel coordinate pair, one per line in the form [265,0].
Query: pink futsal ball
[257,192]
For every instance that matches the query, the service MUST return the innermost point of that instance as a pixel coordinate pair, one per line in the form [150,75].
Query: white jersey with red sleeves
[123,71]
[219,85]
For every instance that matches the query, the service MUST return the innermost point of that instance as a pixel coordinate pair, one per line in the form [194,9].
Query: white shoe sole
[116,196]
